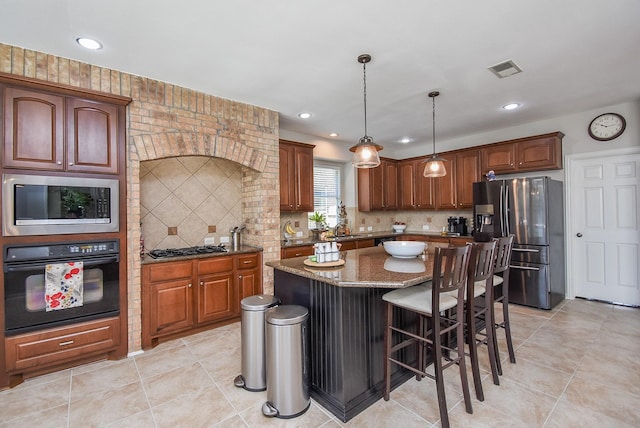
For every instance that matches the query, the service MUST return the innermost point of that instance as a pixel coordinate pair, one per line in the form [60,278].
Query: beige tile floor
[577,366]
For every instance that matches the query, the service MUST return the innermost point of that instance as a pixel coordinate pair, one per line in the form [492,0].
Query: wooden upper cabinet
[446,197]
[544,152]
[92,136]
[499,158]
[536,153]
[53,132]
[378,187]
[33,130]
[416,191]
[296,176]
[467,173]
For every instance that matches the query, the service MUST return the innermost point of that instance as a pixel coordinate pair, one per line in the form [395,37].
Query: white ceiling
[301,55]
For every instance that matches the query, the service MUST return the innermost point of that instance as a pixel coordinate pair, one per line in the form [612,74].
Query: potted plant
[319,220]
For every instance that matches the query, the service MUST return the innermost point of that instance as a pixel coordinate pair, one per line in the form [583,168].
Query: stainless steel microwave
[55,205]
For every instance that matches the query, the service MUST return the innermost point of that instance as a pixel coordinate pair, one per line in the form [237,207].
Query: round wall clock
[607,126]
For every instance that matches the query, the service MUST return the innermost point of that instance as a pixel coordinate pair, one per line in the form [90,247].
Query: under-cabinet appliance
[457,225]
[59,283]
[54,205]
[532,210]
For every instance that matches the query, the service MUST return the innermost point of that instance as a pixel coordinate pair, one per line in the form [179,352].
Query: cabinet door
[249,284]
[171,306]
[216,297]
[390,185]
[304,179]
[407,178]
[540,154]
[499,158]
[425,189]
[467,173]
[446,197]
[92,136]
[287,178]
[33,130]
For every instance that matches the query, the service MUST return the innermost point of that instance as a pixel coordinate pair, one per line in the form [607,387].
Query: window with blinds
[326,191]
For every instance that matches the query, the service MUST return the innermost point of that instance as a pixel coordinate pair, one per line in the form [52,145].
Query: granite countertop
[366,267]
[241,250]
[297,242]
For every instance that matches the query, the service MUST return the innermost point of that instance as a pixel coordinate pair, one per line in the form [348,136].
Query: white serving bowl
[399,227]
[404,249]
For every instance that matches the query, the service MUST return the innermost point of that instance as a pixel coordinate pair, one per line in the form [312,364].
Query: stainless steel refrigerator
[532,210]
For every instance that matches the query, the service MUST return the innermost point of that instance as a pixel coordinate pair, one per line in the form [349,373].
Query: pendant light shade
[365,153]
[434,166]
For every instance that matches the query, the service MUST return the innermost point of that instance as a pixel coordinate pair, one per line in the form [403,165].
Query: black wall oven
[60,283]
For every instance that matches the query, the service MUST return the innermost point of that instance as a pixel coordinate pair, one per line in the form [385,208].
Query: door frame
[570,162]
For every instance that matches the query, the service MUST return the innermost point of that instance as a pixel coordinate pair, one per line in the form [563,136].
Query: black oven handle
[21,267]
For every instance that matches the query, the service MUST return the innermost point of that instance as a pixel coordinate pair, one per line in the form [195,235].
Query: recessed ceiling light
[511,106]
[92,44]
[406,140]
[333,134]
[304,115]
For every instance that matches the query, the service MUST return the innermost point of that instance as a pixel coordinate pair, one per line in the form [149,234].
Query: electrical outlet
[209,240]
[224,239]
[425,227]
[370,228]
[299,234]
[361,229]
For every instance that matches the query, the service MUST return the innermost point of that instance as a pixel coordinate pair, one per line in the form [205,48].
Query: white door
[604,233]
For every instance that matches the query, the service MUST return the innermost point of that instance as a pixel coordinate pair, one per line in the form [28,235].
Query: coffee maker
[457,225]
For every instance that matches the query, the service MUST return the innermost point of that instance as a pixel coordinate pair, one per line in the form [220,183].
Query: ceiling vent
[505,69]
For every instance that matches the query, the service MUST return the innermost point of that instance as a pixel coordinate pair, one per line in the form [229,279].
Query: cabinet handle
[298,254]
[246,262]
[70,163]
[201,284]
[189,285]
[239,276]
[68,342]
[59,162]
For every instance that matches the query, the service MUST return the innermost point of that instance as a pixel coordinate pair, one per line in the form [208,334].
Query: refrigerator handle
[505,212]
[501,210]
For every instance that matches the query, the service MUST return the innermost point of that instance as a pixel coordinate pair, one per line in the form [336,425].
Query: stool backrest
[481,264]
[450,269]
[504,246]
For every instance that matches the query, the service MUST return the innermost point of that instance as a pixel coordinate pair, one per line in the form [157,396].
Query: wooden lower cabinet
[59,345]
[184,295]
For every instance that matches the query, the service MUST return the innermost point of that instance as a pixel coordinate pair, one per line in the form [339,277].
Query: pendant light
[365,153]
[434,166]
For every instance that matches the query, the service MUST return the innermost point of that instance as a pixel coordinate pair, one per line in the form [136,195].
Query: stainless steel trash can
[253,372]
[286,330]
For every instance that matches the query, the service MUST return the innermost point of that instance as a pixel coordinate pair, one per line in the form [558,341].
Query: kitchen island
[346,322]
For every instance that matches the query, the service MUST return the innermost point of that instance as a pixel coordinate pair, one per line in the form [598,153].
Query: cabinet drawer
[166,271]
[215,265]
[52,346]
[366,243]
[247,261]
[305,250]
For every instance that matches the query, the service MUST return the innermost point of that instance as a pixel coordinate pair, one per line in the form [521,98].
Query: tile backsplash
[193,194]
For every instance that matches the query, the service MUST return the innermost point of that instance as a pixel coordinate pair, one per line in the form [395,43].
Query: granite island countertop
[366,267]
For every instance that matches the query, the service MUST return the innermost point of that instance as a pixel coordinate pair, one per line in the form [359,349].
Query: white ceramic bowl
[404,249]
[399,227]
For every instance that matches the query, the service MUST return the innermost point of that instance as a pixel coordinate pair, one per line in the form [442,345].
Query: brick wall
[166,120]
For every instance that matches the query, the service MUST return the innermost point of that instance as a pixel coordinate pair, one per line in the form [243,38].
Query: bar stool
[479,301]
[504,246]
[432,302]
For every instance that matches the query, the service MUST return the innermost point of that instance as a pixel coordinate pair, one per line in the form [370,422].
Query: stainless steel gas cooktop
[188,251]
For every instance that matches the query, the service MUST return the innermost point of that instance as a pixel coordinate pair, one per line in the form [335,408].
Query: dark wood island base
[346,327]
